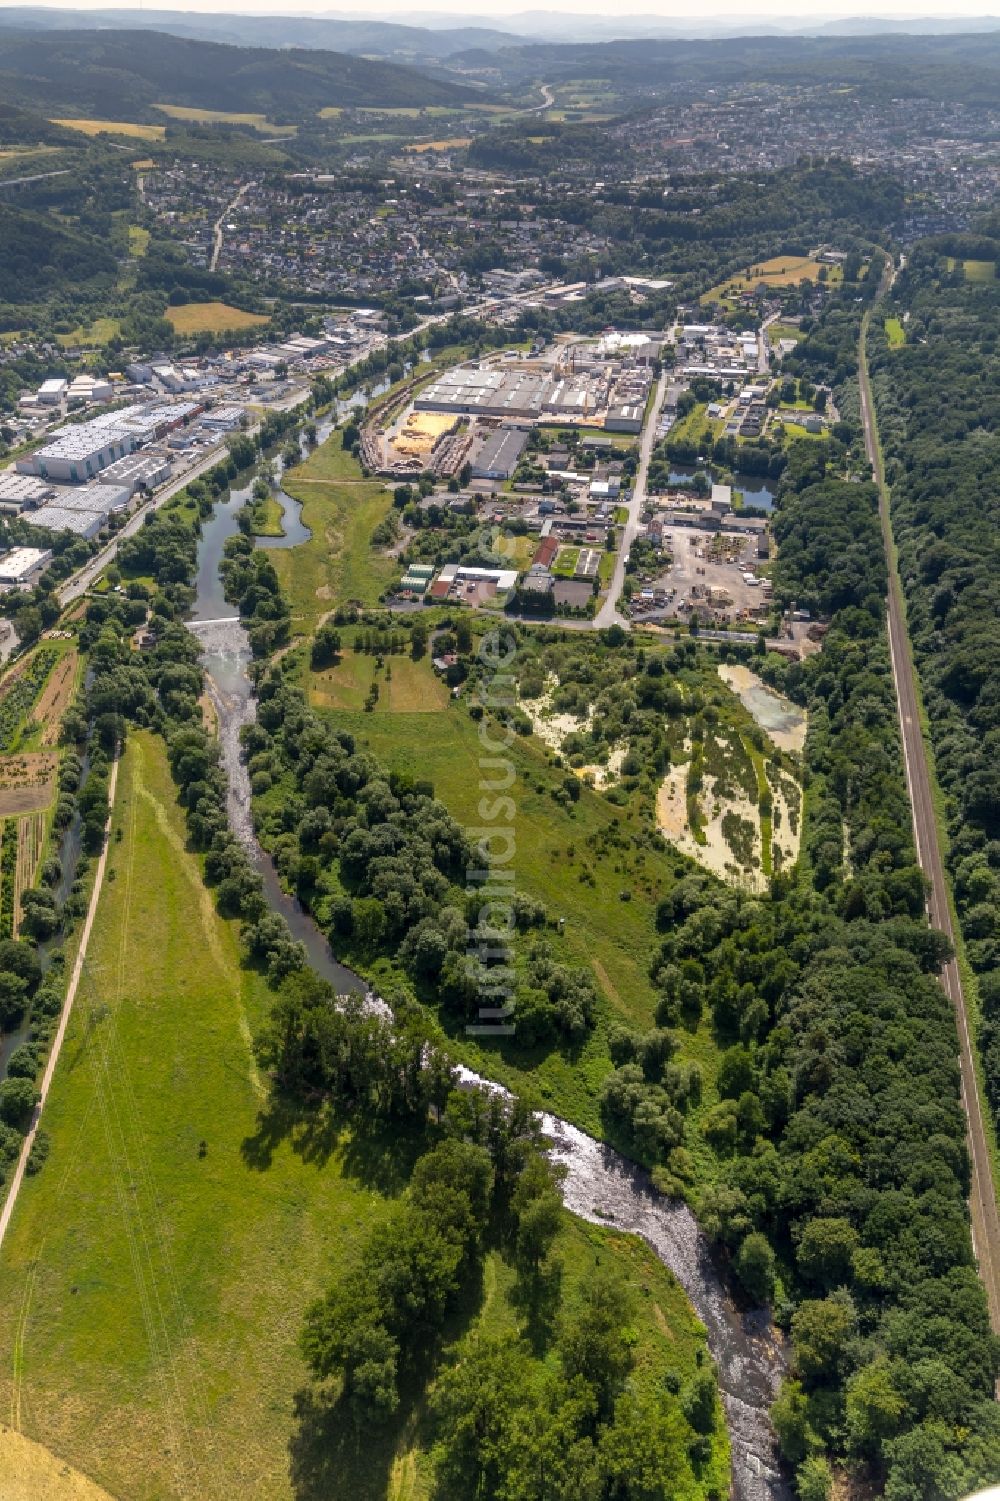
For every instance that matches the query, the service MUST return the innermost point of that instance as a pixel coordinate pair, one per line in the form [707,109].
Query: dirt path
[74,982]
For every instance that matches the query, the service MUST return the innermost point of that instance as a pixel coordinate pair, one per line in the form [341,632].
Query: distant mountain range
[385,40]
[121,74]
[433,38]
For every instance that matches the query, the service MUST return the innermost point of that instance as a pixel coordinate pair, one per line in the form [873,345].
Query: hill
[387,40]
[121,74]
[962,68]
[38,256]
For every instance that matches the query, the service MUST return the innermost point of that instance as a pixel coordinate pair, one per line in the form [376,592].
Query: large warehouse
[484,392]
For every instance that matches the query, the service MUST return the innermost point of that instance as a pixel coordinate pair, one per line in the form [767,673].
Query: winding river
[601,1186]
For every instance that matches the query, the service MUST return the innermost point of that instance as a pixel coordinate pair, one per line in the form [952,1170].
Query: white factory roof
[504,578]
[22,562]
[59,519]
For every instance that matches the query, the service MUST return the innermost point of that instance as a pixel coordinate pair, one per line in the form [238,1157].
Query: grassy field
[411,687]
[895,333]
[779,271]
[695,422]
[147,1319]
[138,241]
[115,127]
[342,509]
[785,331]
[975,270]
[211,318]
[225,117]
[157,1269]
[100,332]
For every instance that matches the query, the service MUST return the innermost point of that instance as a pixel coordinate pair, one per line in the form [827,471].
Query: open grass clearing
[114,127]
[138,241]
[407,688]
[211,318]
[92,336]
[337,564]
[895,332]
[981,271]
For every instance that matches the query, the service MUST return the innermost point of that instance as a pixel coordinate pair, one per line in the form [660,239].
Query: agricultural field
[211,318]
[34,697]
[451,143]
[779,271]
[895,333]
[27,782]
[341,508]
[146,1269]
[115,127]
[259,122]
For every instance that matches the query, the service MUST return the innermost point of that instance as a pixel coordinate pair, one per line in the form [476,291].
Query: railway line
[982,1194]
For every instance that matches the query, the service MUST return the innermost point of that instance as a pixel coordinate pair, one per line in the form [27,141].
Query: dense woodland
[943,464]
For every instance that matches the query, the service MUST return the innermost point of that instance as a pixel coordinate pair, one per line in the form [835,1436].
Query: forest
[943,466]
[119,75]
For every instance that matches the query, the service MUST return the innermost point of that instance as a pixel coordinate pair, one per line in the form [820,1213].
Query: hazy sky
[471,10]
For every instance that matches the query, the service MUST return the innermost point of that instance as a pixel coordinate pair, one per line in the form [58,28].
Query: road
[609,613]
[74,984]
[982,1194]
[217,231]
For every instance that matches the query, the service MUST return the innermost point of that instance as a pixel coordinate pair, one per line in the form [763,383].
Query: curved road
[982,1195]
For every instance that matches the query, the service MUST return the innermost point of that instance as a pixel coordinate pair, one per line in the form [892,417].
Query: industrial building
[19,492]
[21,567]
[89,388]
[138,471]
[51,392]
[79,453]
[626,418]
[499,455]
[56,518]
[484,392]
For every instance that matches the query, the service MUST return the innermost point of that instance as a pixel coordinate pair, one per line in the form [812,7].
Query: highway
[982,1194]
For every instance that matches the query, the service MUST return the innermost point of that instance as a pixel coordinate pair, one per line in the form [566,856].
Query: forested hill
[121,74]
[961,68]
[39,256]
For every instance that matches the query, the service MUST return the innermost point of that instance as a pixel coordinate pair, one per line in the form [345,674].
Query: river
[601,1185]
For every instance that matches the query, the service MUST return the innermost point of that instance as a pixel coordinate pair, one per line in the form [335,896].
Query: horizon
[787,13]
